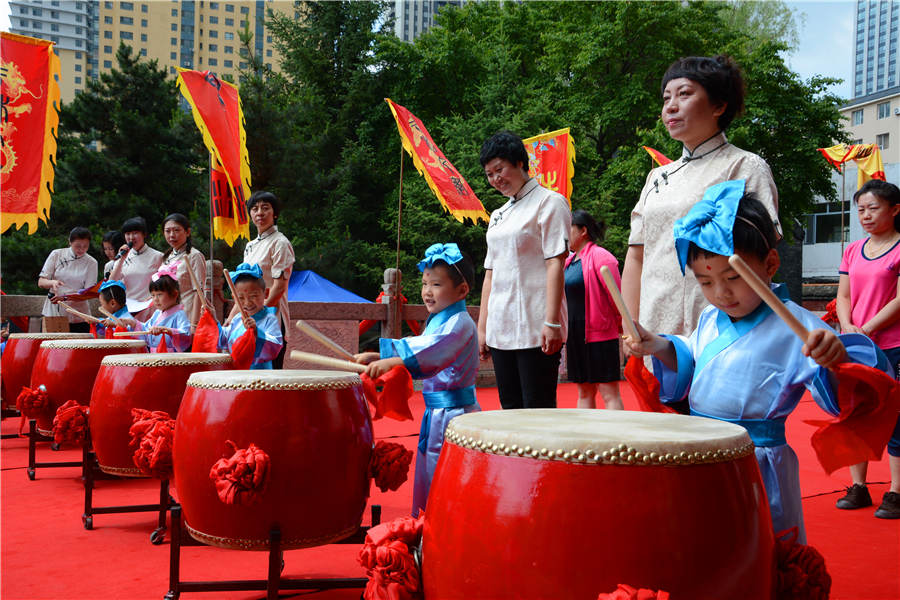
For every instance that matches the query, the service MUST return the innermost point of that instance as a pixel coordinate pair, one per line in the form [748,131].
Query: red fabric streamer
[161,347]
[151,439]
[626,592]
[389,466]
[244,349]
[831,316]
[393,399]
[800,571]
[645,386]
[389,562]
[109,331]
[206,334]
[93,330]
[241,477]
[367,324]
[869,400]
[70,424]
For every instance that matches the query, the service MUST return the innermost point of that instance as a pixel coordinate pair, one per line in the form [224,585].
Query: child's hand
[365,358]
[379,367]
[648,344]
[126,322]
[249,323]
[824,347]
[157,330]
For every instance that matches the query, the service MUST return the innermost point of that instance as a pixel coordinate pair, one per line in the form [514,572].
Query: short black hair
[461,271]
[79,233]
[166,284]
[114,238]
[595,230]
[259,281]
[135,224]
[720,76]
[114,292]
[888,192]
[505,145]
[754,232]
[263,196]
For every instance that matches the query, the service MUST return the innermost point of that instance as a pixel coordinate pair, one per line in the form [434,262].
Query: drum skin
[148,381]
[316,429]
[18,360]
[500,525]
[67,368]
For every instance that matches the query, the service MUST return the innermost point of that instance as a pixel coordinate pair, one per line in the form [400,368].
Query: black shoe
[857,497]
[890,506]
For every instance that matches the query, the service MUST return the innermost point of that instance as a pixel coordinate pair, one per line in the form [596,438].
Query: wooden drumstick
[763,291]
[116,321]
[78,313]
[244,314]
[328,361]
[196,285]
[619,302]
[322,338]
[130,333]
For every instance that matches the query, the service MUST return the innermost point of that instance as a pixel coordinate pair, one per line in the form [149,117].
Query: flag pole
[398,285]
[843,176]
[210,271]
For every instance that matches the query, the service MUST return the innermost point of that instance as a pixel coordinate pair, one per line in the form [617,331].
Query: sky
[826,40]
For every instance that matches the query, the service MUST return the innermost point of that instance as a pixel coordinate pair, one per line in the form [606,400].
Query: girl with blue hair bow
[445,356]
[742,364]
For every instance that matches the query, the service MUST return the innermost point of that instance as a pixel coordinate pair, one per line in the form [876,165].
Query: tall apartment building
[194,34]
[414,17]
[876,67]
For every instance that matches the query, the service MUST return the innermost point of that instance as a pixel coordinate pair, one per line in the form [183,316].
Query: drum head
[274,380]
[591,436]
[50,336]
[166,359]
[93,344]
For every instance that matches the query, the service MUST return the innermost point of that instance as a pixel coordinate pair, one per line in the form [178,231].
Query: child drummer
[112,299]
[445,356]
[743,364]
[251,294]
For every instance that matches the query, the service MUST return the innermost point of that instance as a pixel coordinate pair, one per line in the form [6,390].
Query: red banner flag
[551,159]
[28,126]
[216,107]
[867,157]
[657,156]
[445,181]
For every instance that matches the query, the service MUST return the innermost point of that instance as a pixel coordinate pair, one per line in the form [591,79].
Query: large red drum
[18,359]
[571,503]
[315,428]
[67,369]
[148,381]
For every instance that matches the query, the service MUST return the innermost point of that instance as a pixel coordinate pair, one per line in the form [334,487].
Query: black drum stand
[273,583]
[33,438]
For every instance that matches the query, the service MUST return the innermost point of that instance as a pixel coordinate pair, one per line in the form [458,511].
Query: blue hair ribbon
[710,222]
[246,269]
[448,253]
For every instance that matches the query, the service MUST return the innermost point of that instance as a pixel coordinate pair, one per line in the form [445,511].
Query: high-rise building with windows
[414,17]
[876,66]
[194,34]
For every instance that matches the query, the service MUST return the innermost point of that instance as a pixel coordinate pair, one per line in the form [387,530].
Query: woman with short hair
[136,266]
[68,270]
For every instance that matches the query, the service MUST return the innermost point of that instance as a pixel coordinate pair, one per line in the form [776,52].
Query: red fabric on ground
[45,552]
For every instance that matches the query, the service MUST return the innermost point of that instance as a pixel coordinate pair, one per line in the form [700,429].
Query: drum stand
[162,507]
[273,583]
[33,438]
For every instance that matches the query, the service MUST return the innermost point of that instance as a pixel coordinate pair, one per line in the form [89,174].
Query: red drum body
[316,430]
[571,503]
[67,368]
[148,381]
[18,359]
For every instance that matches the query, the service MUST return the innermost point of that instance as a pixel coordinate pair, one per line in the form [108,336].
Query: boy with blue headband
[112,299]
[445,356]
[743,364]
[251,295]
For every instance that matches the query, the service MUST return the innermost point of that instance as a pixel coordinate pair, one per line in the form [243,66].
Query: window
[229,49]
[824,225]
[143,8]
[174,12]
[126,5]
[107,5]
[78,55]
[143,37]
[882,139]
[54,14]
[857,117]
[143,52]
[107,49]
[174,26]
[107,64]
[243,23]
[173,56]
[242,65]
[108,20]
[78,31]
[126,35]
[269,52]
[229,35]
[214,20]
[126,21]
[143,22]
[245,10]
[37,25]
[229,22]
[213,47]
[77,79]
[856,142]
[228,64]
[54,27]
[229,8]
[884,110]
[268,39]
[212,62]
[107,35]
[173,41]
[213,33]
[36,12]
[213,6]
[23,22]
[78,43]
[77,68]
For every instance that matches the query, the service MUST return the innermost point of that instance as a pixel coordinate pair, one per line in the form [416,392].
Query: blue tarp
[306,286]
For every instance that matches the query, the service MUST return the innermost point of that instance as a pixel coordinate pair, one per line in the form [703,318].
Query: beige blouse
[672,302]
[273,252]
[75,273]
[197,262]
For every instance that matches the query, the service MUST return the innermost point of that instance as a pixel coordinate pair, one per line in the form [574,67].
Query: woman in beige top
[68,270]
[177,231]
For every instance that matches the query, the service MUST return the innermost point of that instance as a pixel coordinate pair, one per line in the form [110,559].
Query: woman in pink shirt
[592,347]
[868,303]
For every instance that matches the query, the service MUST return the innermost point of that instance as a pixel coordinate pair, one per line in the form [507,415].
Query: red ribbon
[151,439]
[243,350]
[645,386]
[242,475]
[70,424]
[31,403]
[393,399]
[389,466]
[388,560]
[206,334]
[800,570]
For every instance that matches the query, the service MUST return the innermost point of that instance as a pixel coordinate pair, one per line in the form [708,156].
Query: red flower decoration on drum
[151,438]
[70,424]
[800,570]
[389,562]
[390,465]
[241,476]
[626,592]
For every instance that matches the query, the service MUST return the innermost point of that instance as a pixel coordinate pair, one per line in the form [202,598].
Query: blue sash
[765,433]
[457,398]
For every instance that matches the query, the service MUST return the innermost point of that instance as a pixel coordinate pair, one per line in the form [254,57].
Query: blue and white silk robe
[175,319]
[122,313]
[752,372]
[268,336]
[445,356]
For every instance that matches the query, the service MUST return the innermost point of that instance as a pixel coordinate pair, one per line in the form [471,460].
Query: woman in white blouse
[68,270]
[522,322]
[135,267]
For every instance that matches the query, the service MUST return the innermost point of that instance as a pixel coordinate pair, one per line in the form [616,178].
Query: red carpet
[46,553]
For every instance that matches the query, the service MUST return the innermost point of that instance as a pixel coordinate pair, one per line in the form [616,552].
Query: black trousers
[278,361]
[526,378]
[80,327]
